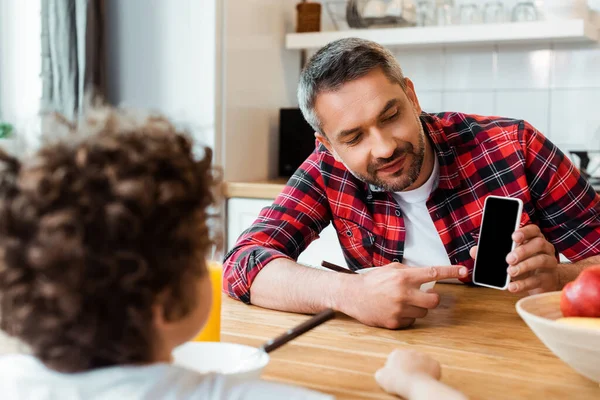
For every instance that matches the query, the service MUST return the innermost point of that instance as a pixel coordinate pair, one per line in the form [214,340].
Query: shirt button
[398,213]
[395,260]
[349,233]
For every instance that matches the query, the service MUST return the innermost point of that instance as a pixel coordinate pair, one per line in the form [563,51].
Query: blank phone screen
[495,241]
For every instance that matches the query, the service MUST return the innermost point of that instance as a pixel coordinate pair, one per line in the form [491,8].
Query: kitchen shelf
[568,30]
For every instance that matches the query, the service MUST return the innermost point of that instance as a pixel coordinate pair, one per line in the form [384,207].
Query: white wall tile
[481,103]
[576,66]
[523,67]
[575,120]
[515,81]
[469,68]
[530,105]
[424,67]
[430,102]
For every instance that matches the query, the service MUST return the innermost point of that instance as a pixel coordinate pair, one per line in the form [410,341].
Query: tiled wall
[555,87]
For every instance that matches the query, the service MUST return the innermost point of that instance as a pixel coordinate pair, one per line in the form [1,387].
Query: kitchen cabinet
[241,213]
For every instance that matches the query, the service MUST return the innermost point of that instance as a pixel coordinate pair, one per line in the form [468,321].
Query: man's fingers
[538,245]
[426,300]
[428,274]
[520,277]
[539,261]
[414,312]
[533,282]
[527,232]
[473,252]
[400,323]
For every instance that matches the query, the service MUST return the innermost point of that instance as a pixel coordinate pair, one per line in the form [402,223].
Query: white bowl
[424,287]
[237,362]
[577,346]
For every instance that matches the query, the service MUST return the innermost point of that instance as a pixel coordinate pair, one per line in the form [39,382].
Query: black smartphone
[501,218]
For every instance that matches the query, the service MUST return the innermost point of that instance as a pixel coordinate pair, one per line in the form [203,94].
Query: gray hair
[340,62]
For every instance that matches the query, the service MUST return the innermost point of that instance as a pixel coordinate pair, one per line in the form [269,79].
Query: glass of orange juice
[211,332]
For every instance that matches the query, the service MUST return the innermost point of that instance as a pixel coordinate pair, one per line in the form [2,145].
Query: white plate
[424,287]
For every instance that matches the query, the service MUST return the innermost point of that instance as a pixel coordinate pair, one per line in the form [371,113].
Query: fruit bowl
[577,346]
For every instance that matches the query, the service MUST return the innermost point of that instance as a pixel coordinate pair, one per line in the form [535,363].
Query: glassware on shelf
[395,8]
[553,10]
[404,10]
[525,11]
[337,13]
[353,17]
[373,9]
[494,12]
[378,13]
[444,11]
[468,14]
[426,13]
[402,13]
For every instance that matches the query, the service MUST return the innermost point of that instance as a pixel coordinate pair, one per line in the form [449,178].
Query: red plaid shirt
[478,157]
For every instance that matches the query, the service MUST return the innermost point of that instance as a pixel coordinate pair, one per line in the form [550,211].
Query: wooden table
[485,349]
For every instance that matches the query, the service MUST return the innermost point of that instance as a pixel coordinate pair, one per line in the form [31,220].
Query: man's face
[372,125]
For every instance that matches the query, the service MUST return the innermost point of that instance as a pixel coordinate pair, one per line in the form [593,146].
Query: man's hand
[532,265]
[389,296]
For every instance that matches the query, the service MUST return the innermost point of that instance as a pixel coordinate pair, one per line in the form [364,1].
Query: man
[407,188]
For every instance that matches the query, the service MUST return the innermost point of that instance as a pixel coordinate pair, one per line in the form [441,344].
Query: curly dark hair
[93,230]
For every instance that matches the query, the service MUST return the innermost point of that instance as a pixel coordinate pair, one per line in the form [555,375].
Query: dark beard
[405,177]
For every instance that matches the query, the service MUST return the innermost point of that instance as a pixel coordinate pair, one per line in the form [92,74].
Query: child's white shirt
[23,377]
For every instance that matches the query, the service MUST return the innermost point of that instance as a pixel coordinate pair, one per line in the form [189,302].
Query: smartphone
[501,218]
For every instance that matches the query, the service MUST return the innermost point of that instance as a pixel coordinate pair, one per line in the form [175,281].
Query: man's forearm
[568,272]
[287,286]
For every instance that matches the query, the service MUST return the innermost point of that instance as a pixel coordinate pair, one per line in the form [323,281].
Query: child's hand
[403,363]
[414,376]
[400,368]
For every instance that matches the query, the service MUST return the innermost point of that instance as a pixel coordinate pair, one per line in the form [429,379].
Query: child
[103,241]
[102,266]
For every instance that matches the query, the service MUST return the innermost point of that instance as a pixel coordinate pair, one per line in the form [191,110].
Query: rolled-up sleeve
[283,230]
[568,206]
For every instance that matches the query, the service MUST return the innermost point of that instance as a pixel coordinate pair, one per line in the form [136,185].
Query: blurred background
[227,70]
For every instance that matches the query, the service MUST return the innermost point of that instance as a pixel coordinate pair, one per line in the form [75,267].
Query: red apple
[581,298]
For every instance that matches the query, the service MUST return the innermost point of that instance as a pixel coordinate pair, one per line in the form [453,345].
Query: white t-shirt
[423,246]
[23,377]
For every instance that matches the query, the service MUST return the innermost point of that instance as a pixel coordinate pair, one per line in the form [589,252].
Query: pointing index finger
[428,274]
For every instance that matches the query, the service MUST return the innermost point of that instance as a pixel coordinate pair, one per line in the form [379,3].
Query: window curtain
[73,54]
